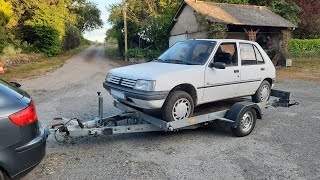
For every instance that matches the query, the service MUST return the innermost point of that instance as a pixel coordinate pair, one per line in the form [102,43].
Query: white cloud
[96,35]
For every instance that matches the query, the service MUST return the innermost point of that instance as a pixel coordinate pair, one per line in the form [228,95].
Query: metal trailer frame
[133,120]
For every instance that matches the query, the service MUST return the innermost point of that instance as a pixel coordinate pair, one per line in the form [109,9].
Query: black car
[22,140]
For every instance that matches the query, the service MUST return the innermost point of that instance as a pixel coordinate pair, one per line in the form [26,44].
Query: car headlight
[145,85]
[108,77]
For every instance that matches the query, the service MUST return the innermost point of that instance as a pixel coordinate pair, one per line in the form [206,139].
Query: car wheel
[3,176]
[263,92]
[246,124]
[179,105]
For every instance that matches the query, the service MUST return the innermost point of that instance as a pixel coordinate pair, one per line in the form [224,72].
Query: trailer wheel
[246,124]
[178,105]
[110,123]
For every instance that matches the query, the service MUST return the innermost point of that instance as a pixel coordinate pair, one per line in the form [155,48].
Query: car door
[223,83]
[253,68]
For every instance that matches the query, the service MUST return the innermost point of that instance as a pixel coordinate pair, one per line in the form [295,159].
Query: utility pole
[125,29]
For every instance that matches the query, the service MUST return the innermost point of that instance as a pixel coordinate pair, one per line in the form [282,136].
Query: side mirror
[218,65]
[15,84]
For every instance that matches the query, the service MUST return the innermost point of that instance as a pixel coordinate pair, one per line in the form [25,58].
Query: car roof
[227,40]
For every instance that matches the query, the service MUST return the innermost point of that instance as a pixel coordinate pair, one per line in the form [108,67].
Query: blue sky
[99,34]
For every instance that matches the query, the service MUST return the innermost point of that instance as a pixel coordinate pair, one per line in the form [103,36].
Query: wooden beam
[252,34]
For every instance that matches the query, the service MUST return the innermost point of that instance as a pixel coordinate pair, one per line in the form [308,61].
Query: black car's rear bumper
[18,160]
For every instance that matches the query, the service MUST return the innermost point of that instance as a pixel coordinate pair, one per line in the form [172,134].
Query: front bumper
[142,99]
[19,160]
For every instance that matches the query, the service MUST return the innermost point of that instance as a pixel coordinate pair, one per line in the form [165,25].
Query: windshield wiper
[158,59]
[175,61]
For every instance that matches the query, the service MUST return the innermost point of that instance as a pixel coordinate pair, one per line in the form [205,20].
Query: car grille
[123,81]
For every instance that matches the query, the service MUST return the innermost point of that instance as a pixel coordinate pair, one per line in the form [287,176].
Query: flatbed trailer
[240,116]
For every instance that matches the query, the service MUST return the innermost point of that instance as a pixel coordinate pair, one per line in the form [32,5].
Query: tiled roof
[238,14]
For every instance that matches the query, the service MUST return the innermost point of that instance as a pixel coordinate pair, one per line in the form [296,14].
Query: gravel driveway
[284,145]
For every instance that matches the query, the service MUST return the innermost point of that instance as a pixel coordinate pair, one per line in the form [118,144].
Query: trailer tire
[263,92]
[176,103]
[246,124]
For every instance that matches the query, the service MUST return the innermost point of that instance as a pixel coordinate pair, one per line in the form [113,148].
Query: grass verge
[302,68]
[112,51]
[41,67]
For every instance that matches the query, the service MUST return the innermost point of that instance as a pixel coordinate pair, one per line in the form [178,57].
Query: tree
[232,1]
[88,17]
[50,13]
[309,26]
[6,14]
[288,10]
[44,38]
[148,22]
[72,37]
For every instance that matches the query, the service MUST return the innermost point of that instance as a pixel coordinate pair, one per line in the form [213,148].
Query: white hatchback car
[194,72]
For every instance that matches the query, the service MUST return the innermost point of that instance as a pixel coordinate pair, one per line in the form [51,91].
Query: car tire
[3,175]
[178,105]
[246,123]
[263,93]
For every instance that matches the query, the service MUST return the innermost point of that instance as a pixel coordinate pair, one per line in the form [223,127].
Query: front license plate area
[118,94]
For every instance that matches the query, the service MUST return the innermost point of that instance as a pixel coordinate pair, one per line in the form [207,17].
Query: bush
[84,41]
[27,48]
[3,38]
[45,39]
[146,54]
[72,38]
[11,50]
[304,48]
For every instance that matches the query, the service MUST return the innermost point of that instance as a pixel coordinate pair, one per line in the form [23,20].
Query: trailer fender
[238,109]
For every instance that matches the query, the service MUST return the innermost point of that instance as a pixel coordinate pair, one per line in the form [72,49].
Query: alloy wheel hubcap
[181,109]
[246,122]
[265,93]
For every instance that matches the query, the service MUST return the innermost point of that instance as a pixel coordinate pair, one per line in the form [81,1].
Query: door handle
[262,69]
[236,71]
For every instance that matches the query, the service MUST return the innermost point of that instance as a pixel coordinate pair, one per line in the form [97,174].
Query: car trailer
[241,117]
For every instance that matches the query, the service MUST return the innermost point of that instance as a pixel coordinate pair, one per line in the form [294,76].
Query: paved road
[284,145]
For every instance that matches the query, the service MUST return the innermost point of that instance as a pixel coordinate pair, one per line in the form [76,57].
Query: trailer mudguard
[237,111]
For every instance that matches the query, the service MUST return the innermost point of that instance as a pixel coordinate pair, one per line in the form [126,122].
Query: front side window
[193,52]
[227,53]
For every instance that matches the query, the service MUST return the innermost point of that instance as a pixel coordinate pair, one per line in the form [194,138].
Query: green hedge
[43,38]
[304,48]
[146,54]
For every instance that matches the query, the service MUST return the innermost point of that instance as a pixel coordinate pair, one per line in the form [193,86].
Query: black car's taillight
[25,117]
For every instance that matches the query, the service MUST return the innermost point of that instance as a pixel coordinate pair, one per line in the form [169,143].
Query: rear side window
[6,89]
[258,55]
[5,101]
[250,55]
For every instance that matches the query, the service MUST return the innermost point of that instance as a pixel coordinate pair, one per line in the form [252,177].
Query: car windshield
[192,52]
